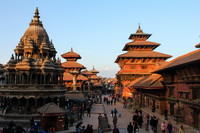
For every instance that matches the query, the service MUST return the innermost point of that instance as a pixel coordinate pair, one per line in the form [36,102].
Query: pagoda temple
[139,60]
[73,79]
[95,80]
[33,76]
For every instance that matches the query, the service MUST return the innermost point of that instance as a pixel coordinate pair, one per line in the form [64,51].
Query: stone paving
[123,121]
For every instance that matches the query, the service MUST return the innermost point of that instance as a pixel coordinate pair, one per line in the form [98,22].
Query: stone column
[28,78]
[75,75]
[22,79]
[31,78]
[44,78]
[35,104]
[19,102]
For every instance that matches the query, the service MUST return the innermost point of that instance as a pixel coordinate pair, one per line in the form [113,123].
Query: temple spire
[71,49]
[139,29]
[36,17]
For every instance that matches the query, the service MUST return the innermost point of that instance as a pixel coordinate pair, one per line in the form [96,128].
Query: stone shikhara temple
[33,76]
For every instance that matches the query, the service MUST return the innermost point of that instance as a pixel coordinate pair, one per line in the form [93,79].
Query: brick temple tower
[139,60]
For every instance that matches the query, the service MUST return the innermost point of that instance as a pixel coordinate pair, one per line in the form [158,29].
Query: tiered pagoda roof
[86,73]
[71,56]
[94,71]
[72,65]
[139,60]
[140,48]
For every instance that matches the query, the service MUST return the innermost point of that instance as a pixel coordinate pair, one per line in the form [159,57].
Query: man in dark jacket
[130,128]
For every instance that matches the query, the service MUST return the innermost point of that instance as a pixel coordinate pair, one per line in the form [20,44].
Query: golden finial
[71,49]
[139,29]
[36,11]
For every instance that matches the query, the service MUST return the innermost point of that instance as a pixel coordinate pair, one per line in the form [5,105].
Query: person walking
[99,119]
[135,117]
[112,112]
[163,126]
[140,120]
[166,113]
[181,130]
[115,120]
[115,111]
[151,122]
[169,127]
[130,128]
[88,112]
[147,123]
[154,124]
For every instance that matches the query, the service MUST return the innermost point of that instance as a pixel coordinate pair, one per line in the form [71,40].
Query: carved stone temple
[33,76]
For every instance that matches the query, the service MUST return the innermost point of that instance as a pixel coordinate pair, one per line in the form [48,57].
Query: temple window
[144,66]
[133,67]
[187,95]
[196,94]
[180,94]
[171,91]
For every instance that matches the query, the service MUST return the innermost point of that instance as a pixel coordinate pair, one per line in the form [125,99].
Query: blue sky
[99,29]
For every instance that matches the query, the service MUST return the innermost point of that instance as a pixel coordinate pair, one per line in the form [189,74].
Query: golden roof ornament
[71,50]
[139,29]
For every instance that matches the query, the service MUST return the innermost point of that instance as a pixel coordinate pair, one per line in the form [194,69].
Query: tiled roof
[148,82]
[69,77]
[181,60]
[71,54]
[138,54]
[129,72]
[140,43]
[97,84]
[51,109]
[94,71]
[94,77]
[81,77]
[72,64]
[197,46]
[142,54]
[86,72]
